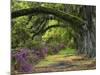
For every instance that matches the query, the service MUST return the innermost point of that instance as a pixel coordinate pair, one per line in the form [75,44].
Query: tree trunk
[86,38]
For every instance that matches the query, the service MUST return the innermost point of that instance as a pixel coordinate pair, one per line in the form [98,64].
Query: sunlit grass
[67,52]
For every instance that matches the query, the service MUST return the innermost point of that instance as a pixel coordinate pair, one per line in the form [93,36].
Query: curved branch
[47,28]
[37,10]
[52,26]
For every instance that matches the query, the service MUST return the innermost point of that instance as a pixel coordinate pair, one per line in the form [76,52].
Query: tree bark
[86,42]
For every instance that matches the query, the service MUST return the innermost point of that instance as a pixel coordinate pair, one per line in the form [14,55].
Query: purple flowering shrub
[22,63]
[61,46]
[53,49]
[41,52]
[25,59]
[26,67]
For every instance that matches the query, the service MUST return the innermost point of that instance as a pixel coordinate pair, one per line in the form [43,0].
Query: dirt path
[71,63]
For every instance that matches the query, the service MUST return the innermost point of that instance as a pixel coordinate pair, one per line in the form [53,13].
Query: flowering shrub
[21,58]
[62,46]
[26,67]
[26,59]
[44,52]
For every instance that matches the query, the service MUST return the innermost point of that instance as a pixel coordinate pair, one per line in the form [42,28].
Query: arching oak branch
[53,26]
[37,10]
[47,28]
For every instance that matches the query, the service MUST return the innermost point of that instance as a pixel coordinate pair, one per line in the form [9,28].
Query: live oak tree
[86,42]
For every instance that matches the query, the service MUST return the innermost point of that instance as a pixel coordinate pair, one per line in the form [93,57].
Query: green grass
[53,59]
[67,52]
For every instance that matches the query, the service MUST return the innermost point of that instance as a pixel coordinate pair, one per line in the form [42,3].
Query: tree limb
[38,10]
[47,28]
[52,26]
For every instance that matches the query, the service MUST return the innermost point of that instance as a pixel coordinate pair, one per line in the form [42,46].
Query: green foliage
[17,5]
[24,28]
[59,35]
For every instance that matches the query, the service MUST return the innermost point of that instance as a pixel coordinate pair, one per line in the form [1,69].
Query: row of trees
[33,21]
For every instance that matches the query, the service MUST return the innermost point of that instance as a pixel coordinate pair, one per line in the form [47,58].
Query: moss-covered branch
[47,28]
[52,26]
[37,10]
